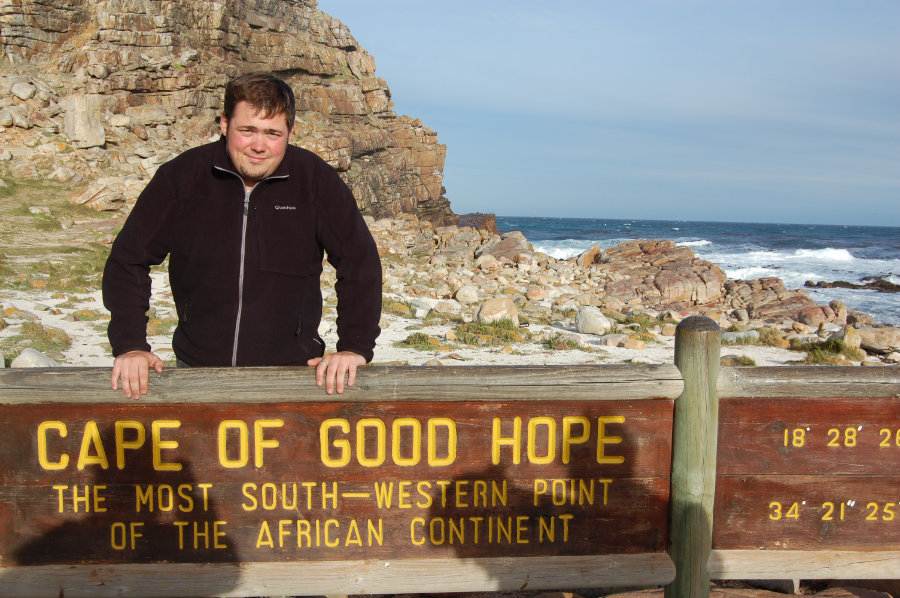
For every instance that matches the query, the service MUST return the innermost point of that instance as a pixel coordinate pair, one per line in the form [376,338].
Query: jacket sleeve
[142,242]
[352,251]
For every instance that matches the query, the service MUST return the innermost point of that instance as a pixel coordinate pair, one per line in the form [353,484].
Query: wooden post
[697,348]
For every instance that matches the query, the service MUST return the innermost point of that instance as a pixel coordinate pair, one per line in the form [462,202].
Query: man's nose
[258,142]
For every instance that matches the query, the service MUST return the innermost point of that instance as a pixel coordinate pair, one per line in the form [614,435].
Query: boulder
[32,358]
[477,220]
[812,316]
[497,309]
[879,340]
[587,258]
[840,312]
[612,340]
[513,246]
[590,320]
[83,125]
[535,293]
[741,336]
[467,294]
[24,91]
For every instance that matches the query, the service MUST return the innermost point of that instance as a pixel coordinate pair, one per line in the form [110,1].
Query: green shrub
[736,360]
[559,342]
[419,341]
[824,353]
[41,338]
[396,308]
[501,332]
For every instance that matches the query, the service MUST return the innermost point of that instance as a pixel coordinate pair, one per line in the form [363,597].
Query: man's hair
[265,92]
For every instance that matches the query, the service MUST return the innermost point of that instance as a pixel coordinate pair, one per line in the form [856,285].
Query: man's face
[256,145]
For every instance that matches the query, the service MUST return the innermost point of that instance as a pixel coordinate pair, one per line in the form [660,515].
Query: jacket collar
[222,161]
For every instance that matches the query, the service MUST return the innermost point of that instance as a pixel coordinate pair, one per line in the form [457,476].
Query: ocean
[795,253]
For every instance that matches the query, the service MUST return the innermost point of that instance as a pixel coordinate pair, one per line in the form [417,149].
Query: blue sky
[748,111]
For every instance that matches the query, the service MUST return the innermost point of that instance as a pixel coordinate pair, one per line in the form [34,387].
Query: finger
[339,378]
[115,377]
[351,374]
[143,379]
[330,375]
[321,368]
[128,384]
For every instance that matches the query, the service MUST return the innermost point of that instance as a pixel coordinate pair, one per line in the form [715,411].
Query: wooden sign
[332,481]
[258,468]
[808,474]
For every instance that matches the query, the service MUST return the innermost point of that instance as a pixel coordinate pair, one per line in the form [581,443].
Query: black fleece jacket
[245,269]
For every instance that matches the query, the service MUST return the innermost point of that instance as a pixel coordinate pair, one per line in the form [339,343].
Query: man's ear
[223,124]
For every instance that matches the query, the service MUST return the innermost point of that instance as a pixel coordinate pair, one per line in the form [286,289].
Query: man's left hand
[331,370]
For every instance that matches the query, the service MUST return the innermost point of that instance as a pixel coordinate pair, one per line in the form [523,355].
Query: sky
[719,110]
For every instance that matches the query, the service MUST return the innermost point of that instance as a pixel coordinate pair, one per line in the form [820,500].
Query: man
[245,221]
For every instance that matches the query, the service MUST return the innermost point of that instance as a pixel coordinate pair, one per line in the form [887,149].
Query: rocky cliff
[98,93]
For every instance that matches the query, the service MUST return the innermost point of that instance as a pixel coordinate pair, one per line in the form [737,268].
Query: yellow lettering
[283,531]
[245,490]
[341,444]
[328,524]
[568,439]
[260,442]
[424,490]
[416,540]
[159,445]
[122,445]
[522,529]
[376,534]
[461,493]
[603,439]
[384,493]
[243,444]
[43,459]
[415,442]
[380,435]
[265,536]
[91,439]
[515,441]
[403,495]
[433,425]
[533,424]
[353,537]
[143,497]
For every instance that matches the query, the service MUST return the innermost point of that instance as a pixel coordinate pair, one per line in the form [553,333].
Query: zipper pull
[247,200]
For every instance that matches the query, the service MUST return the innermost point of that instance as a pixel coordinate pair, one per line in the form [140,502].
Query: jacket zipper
[247,192]
[237,320]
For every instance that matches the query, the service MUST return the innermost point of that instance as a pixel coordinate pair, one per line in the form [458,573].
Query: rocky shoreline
[464,295]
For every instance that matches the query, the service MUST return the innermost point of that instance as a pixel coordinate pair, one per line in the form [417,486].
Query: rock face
[133,83]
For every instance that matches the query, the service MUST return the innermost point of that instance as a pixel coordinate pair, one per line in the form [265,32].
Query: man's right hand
[133,369]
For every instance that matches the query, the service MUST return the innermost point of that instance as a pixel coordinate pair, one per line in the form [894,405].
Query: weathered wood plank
[821,435]
[374,383]
[371,576]
[803,564]
[810,512]
[809,381]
